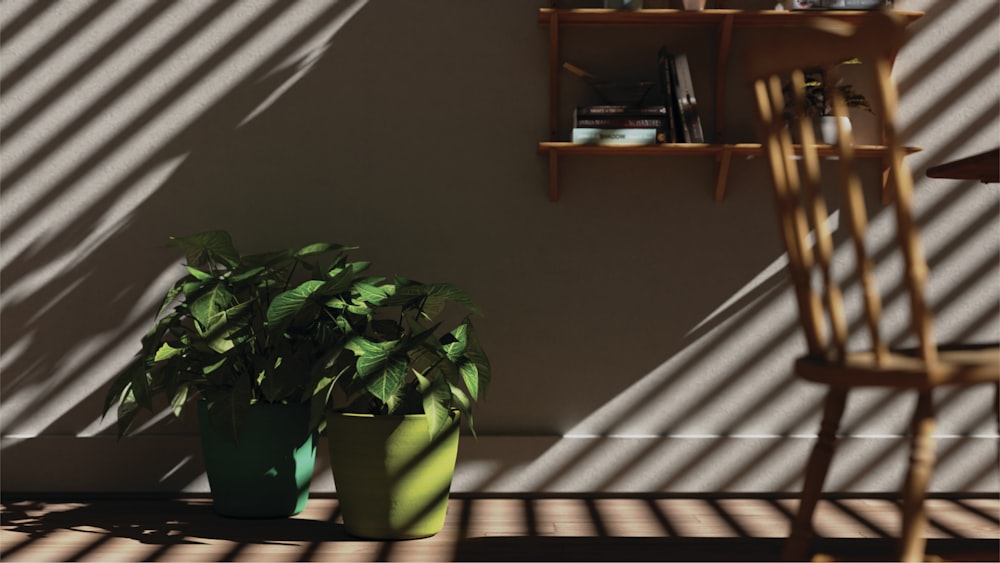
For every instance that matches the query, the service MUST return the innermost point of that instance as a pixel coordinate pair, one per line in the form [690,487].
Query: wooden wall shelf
[725,22]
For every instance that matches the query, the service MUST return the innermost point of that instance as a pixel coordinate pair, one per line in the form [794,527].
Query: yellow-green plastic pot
[392,480]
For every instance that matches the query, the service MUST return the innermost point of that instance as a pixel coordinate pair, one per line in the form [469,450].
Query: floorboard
[491,529]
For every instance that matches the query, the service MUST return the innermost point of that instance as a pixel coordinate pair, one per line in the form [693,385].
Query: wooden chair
[802,211]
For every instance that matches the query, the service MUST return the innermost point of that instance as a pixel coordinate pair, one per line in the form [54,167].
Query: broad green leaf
[436,398]
[287,304]
[167,351]
[211,246]
[370,354]
[226,327]
[191,289]
[317,405]
[121,382]
[358,267]
[470,376]
[474,353]
[386,382]
[127,409]
[198,274]
[320,247]
[369,293]
[463,404]
[246,275]
[179,399]
[407,288]
[140,386]
[213,367]
[359,310]
[455,342]
[206,308]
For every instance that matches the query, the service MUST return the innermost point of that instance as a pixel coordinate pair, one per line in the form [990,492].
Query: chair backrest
[777,70]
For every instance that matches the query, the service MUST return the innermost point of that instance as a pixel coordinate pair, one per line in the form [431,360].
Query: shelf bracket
[725,158]
[721,66]
[553,176]
[553,75]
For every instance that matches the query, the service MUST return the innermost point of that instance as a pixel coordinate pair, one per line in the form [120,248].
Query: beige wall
[641,334]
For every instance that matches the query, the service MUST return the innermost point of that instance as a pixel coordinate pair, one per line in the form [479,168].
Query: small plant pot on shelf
[826,128]
[694,5]
[266,475]
[392,478]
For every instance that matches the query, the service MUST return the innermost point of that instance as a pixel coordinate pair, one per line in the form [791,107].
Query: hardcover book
[841,4]
[620,110]
[621,122]
[688,102]
[667,81]
[602,136]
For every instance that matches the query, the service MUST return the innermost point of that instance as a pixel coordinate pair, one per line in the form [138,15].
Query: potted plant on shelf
[211,343]
[818,105]
[402,382]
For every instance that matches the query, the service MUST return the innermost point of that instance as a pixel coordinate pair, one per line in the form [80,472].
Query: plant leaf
[120,384]
[470,376]
[210,246]
[180,399]
[461,401]
[474,353]
[320,247]
[450,292]
[287,304]
[207,307]
[369,293]
[140,386]
[436,397]
[127,409]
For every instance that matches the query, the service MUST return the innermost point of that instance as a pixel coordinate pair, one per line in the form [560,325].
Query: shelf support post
[553,75]
[553,175]
[725,41]
[724,158]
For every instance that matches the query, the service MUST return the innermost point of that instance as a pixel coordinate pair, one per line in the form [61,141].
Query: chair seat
[957,365]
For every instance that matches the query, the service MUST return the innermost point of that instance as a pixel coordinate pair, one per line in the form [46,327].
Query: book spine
[680,130]
[601,136]
[667,93]
[841,4]
[613,110]
[621,122]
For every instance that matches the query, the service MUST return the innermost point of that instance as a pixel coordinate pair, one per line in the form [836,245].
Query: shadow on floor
[703,549]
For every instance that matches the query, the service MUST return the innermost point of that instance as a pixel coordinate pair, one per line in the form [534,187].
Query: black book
[667,82]
[609,110]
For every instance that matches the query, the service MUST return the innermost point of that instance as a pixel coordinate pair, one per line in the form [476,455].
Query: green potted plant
[211,343]
[818,105]
[394,390]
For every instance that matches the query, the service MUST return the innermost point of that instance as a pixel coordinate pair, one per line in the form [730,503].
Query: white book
[599,136]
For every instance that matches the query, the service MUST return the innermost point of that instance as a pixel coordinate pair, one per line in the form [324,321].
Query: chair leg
[996,403]
[797,546]
[918,476]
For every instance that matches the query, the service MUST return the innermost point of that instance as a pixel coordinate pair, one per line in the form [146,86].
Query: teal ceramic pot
[392,480]
[268,474]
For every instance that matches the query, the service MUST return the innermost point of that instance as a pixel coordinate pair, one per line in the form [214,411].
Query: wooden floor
[490,529]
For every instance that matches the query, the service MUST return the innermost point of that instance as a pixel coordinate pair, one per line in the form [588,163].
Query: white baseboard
[525,464]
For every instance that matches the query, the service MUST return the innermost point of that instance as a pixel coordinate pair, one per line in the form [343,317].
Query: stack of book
[620,125]
[676,120]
